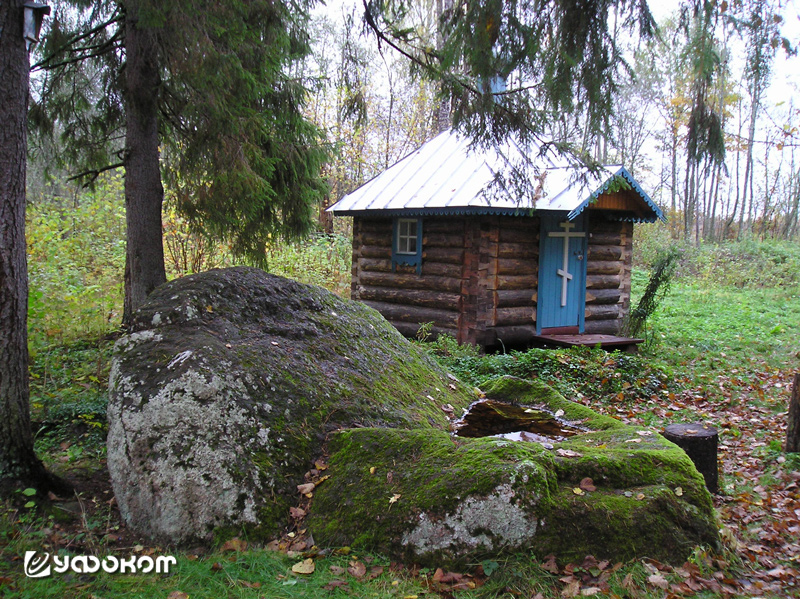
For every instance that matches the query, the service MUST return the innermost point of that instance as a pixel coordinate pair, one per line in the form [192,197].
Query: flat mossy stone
[428,497]
[224,391]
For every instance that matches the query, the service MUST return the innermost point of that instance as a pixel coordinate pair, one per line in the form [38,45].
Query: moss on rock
[430,497]
[425,495]
[224,391]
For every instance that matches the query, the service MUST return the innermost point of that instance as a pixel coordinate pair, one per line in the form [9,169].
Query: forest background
[721,348]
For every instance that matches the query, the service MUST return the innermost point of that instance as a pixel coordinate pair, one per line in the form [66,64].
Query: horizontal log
[603,296]
[528,236]
[409,281]
[527,251]
[603,281]
[379,239]
[379,226]
[375,251]
[447,240]
[447,225]
[513,266]
[517,282]
[410,330]
[598,225]
[444,255]
[602,327]
[437,269]
[605,239]
[604,268]
[509,298]
[515,334]
[604,252]
[415,314]
[515,316]
[603,311]
[412,297]
[375,264]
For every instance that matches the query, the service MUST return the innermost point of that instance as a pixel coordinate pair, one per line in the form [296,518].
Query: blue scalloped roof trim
[623,172]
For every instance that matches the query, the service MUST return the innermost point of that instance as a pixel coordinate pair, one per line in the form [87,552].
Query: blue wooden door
[562,272]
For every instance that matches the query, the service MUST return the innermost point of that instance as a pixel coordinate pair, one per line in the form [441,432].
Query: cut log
[603,281]
[793,425]
[437,269]
[603,311]
[415,314]
[443,255]
[513,266]
[604,252]
[443,240]
[413,297]
[604,267]
[527,236]
[518,282]
[515,316]
[699,441]
[520,251]
[410,281]
[376,251]
[603,296]
[511,298]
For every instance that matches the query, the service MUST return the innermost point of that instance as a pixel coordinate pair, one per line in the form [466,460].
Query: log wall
[608,275]
[403,297]
[479,276]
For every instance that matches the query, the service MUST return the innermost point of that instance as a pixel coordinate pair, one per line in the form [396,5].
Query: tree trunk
[700,444]
[144,194]
[793,428]
[18,463]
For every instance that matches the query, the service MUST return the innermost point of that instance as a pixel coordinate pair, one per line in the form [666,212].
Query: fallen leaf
[587,484]
[633,441]
[590,591]
[568,453]
[320,465]
[216,567]
[550,564]
[374,572]
[394,498]
[640,497]
[335,584]
[571,590]
[658,580]
[679,491]
[357,569]
[305,567]
[578,491]
[306,488]
[235,544]
[297,512]
[372,470]
[250,585]
[177,595]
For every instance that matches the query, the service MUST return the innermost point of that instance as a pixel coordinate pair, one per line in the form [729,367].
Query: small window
[407,243]
[407,236]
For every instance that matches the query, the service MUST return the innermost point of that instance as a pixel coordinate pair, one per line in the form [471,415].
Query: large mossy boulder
[429,497]
[229,382]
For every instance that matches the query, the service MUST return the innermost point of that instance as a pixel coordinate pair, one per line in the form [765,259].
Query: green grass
[722,343]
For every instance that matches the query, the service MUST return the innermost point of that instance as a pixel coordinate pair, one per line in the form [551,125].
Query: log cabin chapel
[450,236]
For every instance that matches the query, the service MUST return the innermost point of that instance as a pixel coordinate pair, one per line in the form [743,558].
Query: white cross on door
[563,272]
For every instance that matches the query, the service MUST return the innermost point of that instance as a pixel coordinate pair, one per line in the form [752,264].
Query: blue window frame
[407,243]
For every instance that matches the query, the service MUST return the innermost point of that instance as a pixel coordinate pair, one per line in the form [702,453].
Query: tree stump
[699,441]
[793,424]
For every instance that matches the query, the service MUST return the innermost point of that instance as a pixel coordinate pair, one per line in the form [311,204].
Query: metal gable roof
[446,176]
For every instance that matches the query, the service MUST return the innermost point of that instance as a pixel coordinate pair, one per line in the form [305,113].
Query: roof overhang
[447,177]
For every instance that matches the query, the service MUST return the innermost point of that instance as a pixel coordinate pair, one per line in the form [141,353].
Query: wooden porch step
[605,341]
